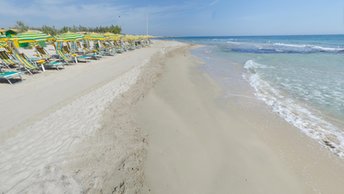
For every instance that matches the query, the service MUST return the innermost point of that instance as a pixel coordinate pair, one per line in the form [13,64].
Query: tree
[49,30]
[21,26]
[64,29]
[115,29]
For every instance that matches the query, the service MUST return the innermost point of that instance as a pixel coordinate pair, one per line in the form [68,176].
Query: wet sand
[200,142]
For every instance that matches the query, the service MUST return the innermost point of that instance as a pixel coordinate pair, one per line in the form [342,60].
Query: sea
[301,78]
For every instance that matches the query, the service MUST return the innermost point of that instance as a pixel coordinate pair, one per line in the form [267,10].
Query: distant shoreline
[255,36]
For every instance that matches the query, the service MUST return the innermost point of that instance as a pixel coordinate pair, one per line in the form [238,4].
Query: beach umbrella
[130,38]
[2,31]
[31,36]
[3,40]
[108,34]
[95,36]
[23,39]
[69,37]
[112,36]
[3,44]
[11,32]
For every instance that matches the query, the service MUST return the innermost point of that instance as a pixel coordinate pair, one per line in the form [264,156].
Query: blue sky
[182,17]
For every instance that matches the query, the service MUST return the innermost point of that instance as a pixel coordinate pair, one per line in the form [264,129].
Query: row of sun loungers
[16,62]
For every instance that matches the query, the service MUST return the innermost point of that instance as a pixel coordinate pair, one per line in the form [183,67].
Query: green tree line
[52,30]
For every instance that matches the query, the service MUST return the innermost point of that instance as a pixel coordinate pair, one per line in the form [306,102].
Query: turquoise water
[301,78]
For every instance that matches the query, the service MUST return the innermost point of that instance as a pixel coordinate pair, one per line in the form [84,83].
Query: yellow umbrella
[112,36]
[94,36]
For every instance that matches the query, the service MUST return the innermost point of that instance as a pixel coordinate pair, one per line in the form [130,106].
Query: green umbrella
[10,33]
[69,36]
[23,39]
[31,36]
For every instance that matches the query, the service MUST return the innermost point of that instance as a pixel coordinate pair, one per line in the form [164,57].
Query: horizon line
[200,36]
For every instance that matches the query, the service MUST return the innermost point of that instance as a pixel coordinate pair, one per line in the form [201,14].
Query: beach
[200,142]
[152,121]
[59,124]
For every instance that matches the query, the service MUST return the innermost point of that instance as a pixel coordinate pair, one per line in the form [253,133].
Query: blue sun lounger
[8,75]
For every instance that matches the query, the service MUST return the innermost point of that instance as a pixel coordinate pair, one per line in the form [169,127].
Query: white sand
[41,93]
[49,116]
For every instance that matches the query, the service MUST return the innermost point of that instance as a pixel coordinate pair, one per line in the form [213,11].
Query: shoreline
[204,143]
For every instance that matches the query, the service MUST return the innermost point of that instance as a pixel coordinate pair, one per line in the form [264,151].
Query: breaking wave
[268,48]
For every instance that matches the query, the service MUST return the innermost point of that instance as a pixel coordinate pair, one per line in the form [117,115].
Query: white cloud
[72,12]
[62,13]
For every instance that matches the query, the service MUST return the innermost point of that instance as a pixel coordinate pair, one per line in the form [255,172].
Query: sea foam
[295,113]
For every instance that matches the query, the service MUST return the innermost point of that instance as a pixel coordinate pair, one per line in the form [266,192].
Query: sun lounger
[47,64]
[50,62]
[65,58]
[93,54]
[54,65]
[117,45]
[87,52]
[42,53]
[28,65]
[8,75]
[78,58]
[107,49]
[6,60]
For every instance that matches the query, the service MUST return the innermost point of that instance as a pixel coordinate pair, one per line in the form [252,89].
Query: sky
[183,17]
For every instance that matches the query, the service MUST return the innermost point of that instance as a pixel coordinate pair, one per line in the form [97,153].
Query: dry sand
[199,142]
[68,132]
